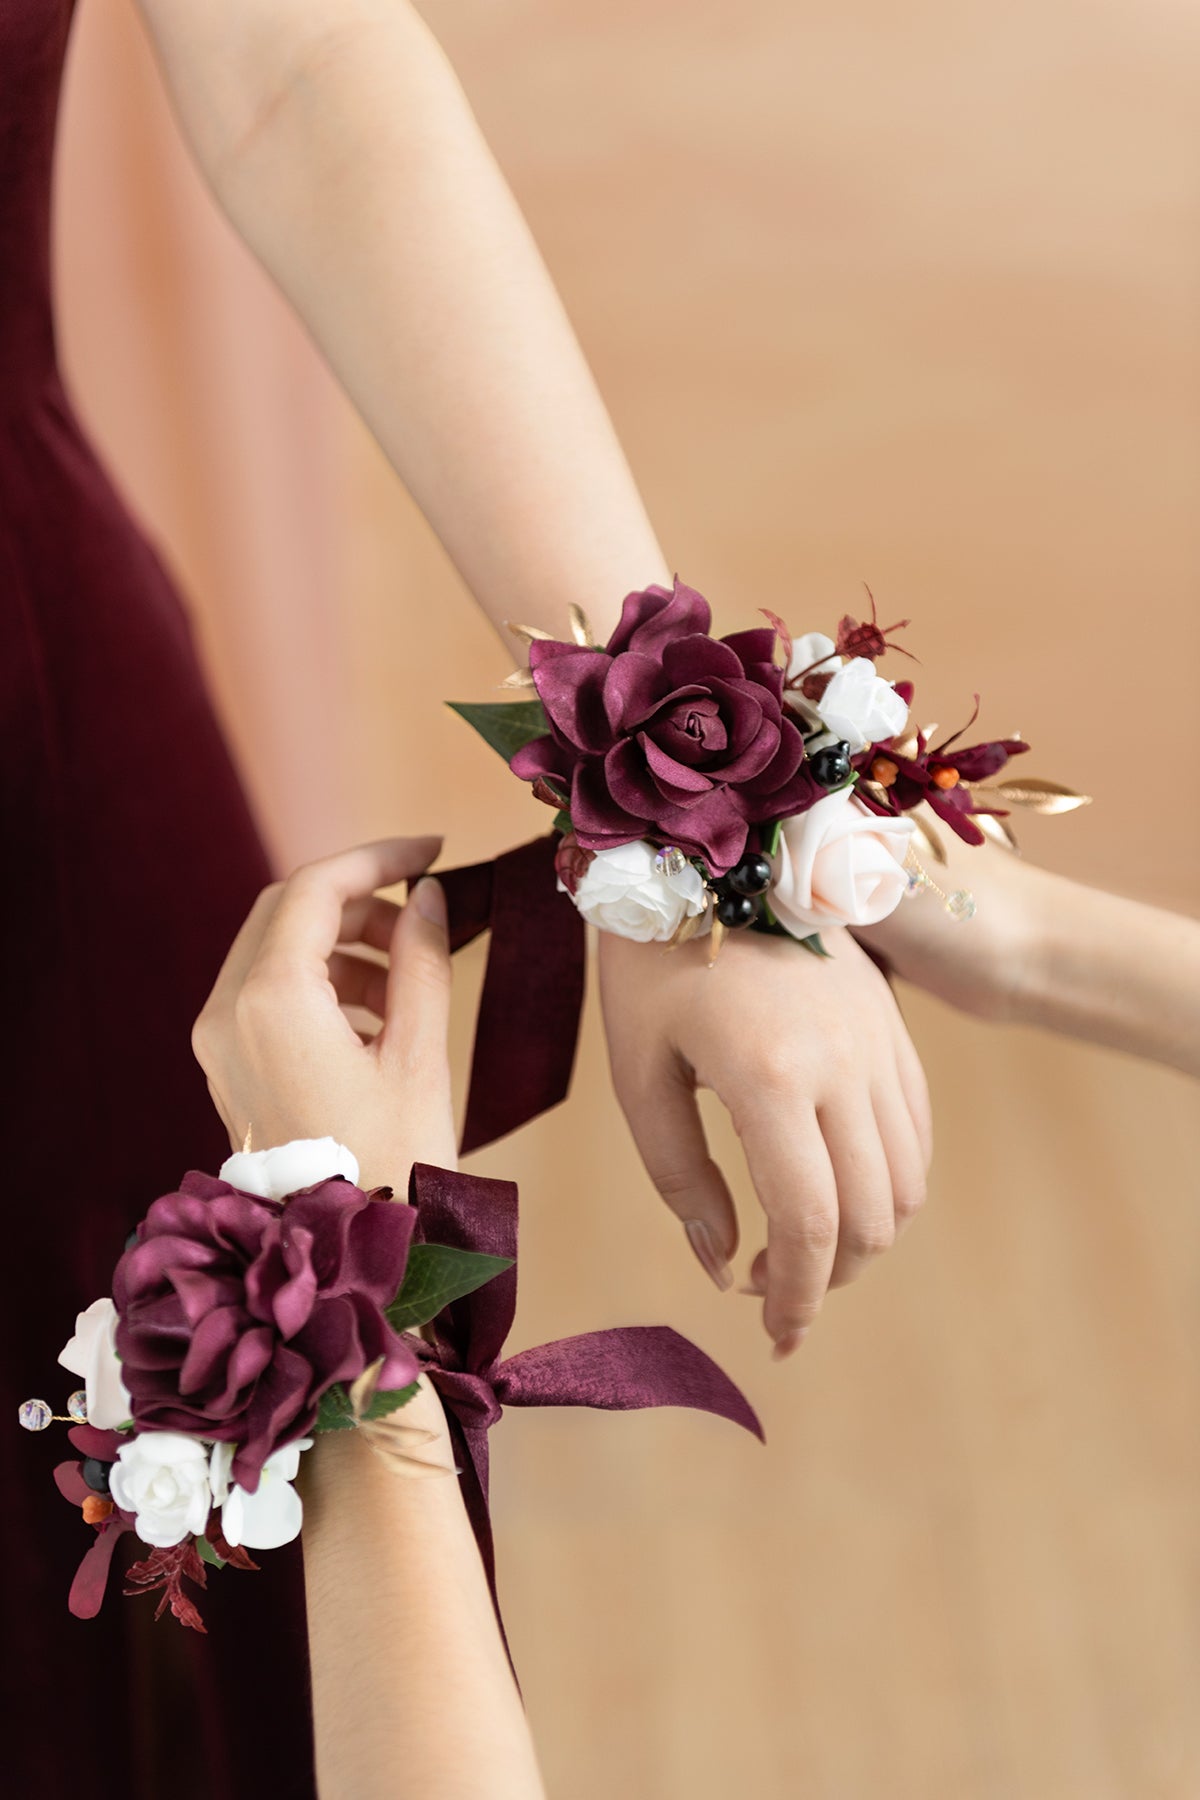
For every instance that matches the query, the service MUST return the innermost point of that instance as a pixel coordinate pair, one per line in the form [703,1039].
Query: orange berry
[884,771]
[945,778]
[96,1509]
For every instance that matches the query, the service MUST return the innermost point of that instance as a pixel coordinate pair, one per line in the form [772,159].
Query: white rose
[162,1478]
[813,653]
[814,648]
[92,1353]
[273,1174]
[838,864]
[270,1516]
[623,892]
[860,707]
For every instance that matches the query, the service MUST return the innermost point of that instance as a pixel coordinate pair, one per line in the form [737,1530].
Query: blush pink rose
[838,864]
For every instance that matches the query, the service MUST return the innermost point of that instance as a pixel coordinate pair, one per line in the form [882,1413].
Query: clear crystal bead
[77,1406]
[915,880]
[33,1415]
[670,861]
[961,905]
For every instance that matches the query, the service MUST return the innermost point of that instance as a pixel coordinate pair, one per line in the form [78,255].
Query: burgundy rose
[667,733]
[237,1313]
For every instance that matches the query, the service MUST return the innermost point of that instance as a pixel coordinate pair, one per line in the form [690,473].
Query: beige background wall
[897,293]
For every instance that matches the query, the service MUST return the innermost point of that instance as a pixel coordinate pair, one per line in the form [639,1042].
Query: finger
[307,922]
[915,1089]
[416,1016]
[902,1148]
[793,1177]
[245,946]
[369,920]
[866,1217]
[358,982]
[664,1119]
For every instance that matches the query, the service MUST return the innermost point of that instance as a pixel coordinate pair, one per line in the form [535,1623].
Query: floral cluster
[248,1312]
[703,784]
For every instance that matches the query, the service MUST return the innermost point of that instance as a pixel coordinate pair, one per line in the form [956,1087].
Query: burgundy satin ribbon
[621,1370]
[529,1009]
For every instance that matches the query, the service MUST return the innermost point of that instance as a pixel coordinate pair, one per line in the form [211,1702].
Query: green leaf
[208,1554]
[770,840]
[436,1275]
[814,945]
[562,822]
[507,725]
[390,1401]
[334,1412]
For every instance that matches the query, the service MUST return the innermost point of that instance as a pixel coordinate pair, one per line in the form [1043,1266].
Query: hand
[825,1090]
[982,965]
[282,1058]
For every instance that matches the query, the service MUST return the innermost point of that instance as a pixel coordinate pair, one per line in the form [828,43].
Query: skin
[1046,951]
[337,139]
[412,1691]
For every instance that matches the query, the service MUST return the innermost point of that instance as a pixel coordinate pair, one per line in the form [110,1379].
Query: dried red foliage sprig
[168,1569]
[869,639]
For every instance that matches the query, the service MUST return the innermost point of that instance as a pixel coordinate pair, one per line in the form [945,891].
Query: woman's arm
[413,1696]
[1046,951]
[338,140]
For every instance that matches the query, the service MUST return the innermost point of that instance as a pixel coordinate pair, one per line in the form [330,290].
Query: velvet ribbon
[619,1370]
[532,997]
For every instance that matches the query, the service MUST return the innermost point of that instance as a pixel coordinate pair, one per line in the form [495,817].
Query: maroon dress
[129,860]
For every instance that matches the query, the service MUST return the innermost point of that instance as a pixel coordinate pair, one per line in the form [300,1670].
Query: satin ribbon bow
[620,1370]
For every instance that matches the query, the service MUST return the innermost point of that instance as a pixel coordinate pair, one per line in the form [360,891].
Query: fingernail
[788,1344]
[707,1255]
[429,898]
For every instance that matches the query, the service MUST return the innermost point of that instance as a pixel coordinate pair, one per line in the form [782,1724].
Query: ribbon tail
[622,1370]
[471,1447]
[529,1009]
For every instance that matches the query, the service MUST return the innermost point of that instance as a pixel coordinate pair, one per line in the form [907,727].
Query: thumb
[417,1007]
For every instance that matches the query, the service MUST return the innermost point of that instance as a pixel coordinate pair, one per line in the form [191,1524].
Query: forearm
[1115,972]
[412,1692]
[355,170]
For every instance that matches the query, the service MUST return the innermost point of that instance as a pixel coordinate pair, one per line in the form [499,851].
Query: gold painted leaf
[581,631]
[717,939]
[529,634]
[686,929]
[520,678]
[362,1390]
[1039,796]
[928,839]
[998,830]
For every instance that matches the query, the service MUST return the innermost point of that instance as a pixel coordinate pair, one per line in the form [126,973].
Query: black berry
[831,766]
[751,876]
[735,910]
[95,1473]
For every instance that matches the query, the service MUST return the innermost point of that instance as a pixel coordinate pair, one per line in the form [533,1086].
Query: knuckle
[677,1184]
[908,1201]
[868,1239]
[429,970]
[812,1231]
[203,1036]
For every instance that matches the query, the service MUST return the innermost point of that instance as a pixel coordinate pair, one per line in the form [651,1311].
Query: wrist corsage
[702,785]
[253,1311]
